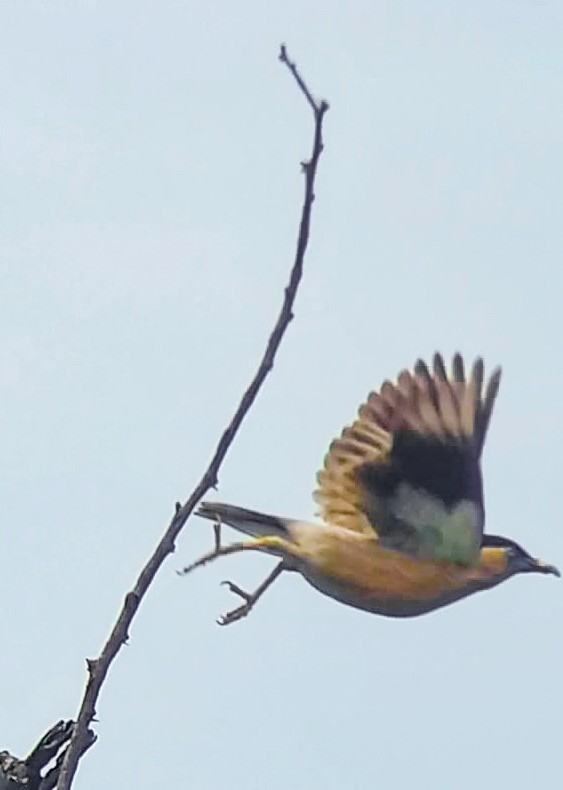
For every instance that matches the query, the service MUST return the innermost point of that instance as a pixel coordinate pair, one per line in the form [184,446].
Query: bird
[401,503]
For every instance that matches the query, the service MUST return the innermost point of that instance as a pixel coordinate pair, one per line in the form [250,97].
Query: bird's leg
[269,543]
[217,533]
[249,598]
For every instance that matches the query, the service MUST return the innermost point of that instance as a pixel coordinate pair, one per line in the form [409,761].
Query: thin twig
[98,668]
[317,107]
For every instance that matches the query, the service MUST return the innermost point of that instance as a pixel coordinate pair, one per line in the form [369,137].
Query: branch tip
[318,107]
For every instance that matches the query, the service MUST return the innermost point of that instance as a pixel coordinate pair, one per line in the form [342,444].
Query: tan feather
[426,405]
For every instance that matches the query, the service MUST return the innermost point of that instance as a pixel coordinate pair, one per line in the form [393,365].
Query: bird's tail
[248,521]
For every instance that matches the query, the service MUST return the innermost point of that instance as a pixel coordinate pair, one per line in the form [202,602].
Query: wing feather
[435,406]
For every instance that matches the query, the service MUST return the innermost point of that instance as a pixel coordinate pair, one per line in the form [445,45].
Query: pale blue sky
[149,200]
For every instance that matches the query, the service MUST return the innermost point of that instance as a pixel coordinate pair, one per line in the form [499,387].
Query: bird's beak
[542,567]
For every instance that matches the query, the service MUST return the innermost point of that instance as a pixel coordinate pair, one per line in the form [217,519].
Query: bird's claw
[234,588]
[240,611]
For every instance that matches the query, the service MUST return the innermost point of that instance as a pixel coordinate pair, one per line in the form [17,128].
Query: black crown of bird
[401,504]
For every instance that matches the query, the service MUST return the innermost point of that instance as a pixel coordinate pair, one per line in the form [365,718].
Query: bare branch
[34,773]
[98,668]
[319,108]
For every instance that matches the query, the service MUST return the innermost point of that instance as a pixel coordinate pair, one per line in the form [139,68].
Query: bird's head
[504,558]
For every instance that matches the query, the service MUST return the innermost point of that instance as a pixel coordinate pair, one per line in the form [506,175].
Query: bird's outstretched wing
[408,468]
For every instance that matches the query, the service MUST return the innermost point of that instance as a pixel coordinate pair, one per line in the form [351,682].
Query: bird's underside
[400,497]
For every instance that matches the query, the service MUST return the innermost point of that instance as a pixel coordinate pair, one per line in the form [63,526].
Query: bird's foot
[248,598]
[241,611]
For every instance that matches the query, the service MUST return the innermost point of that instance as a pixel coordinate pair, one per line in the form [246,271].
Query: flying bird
[401,502]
